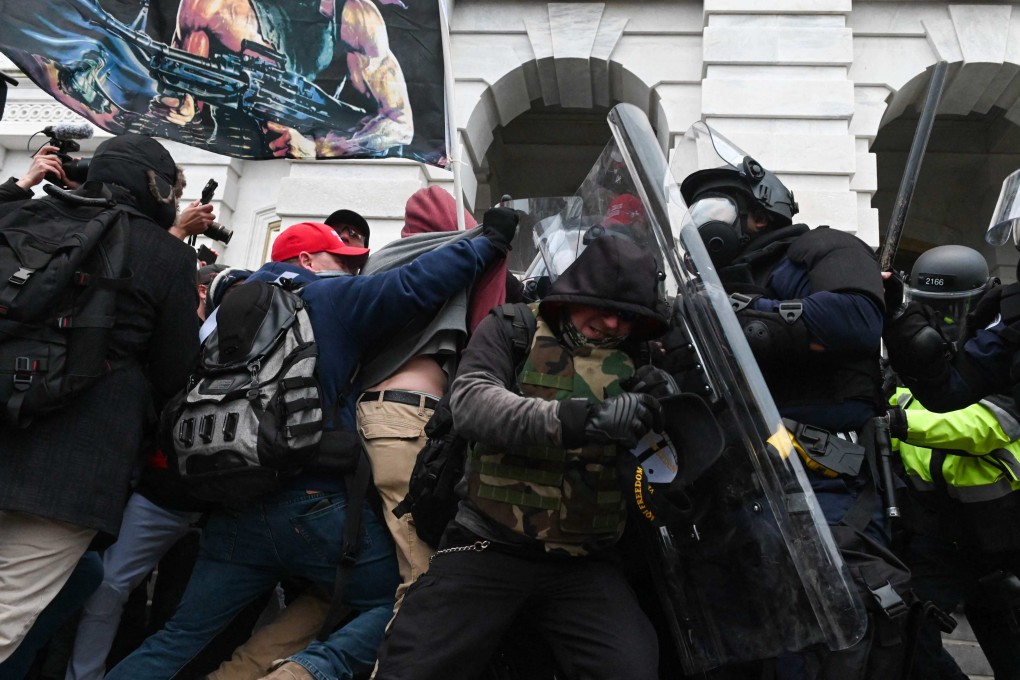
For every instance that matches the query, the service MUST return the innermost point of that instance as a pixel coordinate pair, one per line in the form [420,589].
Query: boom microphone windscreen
[68,131]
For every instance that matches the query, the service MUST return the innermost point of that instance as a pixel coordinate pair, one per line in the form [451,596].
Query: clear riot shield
[1005,223]
[537,215]
[746,565]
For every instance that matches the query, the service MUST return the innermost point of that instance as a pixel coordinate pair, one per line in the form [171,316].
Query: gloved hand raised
[892,287]
[652,380]
[897,422]
[917,347]
[499,225]
[623,419]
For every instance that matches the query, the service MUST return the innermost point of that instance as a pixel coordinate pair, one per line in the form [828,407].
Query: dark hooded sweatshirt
[487,407]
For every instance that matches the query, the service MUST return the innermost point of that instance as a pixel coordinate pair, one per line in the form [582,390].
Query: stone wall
[806,86]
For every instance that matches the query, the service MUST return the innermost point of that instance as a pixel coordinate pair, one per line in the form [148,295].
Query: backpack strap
[25,369]
[522,328]
[116,218]
[357,483]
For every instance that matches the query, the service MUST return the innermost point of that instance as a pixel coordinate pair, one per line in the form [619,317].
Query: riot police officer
[806,298]
[948,373]
[961,518]
[811,306]
[950,280]
[962,506]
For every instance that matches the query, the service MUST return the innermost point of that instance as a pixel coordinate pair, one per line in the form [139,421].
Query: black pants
[948,575]
[453,617]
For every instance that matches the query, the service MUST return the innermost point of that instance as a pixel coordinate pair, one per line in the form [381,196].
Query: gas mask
[720,224]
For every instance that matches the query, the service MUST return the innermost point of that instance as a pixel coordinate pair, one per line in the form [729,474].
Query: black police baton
[885,466]
[913,168]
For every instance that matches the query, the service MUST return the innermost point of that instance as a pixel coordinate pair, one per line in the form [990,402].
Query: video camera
[63,136]
[215,231]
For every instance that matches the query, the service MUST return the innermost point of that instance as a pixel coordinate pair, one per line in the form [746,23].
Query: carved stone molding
[43,112]
[572,44]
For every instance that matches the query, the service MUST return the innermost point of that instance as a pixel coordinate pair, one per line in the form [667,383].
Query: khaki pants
[36,558]
[393,435]
[290,632]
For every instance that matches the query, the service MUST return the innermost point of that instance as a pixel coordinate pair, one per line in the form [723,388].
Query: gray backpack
[252,414]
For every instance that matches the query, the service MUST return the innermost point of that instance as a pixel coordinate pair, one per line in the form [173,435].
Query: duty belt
[831,454]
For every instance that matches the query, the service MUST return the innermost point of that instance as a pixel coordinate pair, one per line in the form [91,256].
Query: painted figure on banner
[346,42]
[245,78]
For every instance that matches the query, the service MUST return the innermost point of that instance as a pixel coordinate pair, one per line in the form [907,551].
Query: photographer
[43,162]
[193,220]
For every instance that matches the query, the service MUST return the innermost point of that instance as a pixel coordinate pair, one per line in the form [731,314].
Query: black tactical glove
[653,381]
[499,225]
[893,293]
[623,419]
[984,312]
[1002,303]
[897,422]
[917,347]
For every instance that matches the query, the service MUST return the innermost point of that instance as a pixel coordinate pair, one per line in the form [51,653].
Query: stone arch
[567,64]
[975,141]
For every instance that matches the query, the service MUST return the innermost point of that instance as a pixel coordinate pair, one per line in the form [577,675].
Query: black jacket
[10,191]
[75,465]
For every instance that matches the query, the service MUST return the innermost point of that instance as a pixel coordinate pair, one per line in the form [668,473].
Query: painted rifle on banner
[255,82]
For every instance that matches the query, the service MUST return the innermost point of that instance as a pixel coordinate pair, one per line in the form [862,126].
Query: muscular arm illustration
[205,27]
[375,72]
[304,121]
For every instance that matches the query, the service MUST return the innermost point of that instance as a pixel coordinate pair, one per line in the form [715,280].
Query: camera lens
[218,232]
[76,170]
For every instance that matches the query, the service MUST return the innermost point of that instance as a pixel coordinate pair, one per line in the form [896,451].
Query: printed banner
[244,78]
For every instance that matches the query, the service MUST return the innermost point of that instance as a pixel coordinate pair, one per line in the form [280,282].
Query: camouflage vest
[570,499]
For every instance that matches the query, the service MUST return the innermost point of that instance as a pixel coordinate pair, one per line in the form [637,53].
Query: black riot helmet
[950,279]
[751,190]
[760,187]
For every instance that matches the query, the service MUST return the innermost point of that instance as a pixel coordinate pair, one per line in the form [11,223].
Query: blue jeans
[294,533]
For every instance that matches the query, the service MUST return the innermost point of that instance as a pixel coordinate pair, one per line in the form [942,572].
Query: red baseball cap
[625,209]
[311,237]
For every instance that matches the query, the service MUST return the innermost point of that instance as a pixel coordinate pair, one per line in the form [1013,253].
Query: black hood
[615,273]
[141,165]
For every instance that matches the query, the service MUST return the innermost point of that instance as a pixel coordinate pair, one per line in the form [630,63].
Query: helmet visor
[952,307]
[1005,222]
[714,209]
